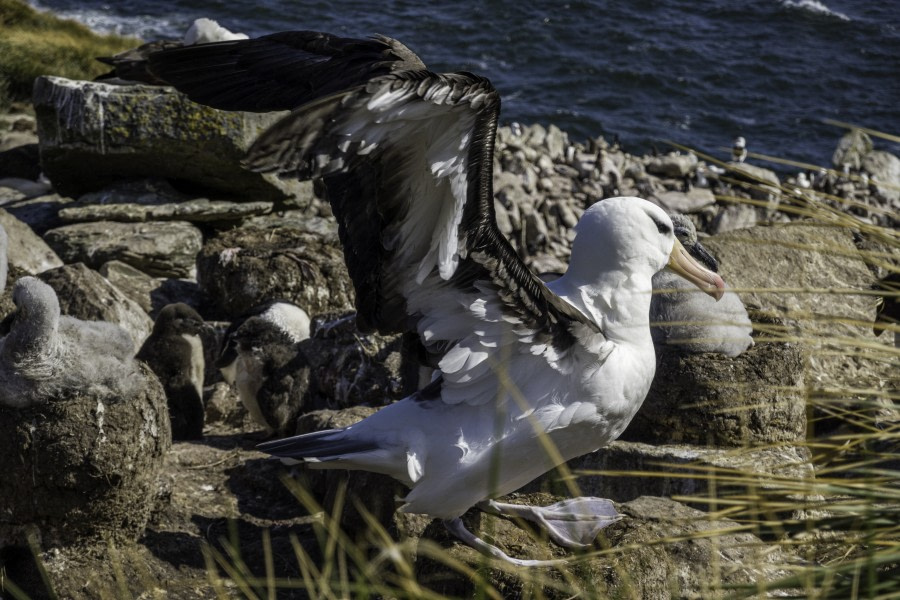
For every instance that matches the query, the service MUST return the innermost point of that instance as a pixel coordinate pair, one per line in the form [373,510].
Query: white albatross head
[635,235]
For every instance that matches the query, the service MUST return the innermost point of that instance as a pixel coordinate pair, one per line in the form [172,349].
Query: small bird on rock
[739,149]
[174,351]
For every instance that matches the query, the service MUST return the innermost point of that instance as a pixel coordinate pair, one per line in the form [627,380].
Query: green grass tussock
[34,43]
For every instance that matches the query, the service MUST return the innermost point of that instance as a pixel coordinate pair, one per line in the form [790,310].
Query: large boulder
[813,277]
[92,133]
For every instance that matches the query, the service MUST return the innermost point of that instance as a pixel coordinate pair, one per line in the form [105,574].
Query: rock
[851,150]
[245,267]
[85,294]
[166,249]
[21,160]
[672,164]
[884,168]
[223,407]
[150,293]
[40,213]
[760,183]
[93,133]
[624,471]
[200,210]
[710,399]
[82,468]
[732,217]
[28,187]
[26,250]
[688,202]
[790,271]
[556,142]
[659,550]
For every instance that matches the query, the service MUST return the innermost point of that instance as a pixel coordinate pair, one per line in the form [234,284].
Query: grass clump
[35,43]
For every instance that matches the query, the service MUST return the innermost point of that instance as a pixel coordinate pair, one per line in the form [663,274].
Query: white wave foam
[814,6]
[145,27]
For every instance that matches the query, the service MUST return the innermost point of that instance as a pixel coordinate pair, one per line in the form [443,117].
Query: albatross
[528,375]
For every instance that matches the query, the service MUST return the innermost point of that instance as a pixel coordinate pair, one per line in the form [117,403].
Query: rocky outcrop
[94,133]
[200,210]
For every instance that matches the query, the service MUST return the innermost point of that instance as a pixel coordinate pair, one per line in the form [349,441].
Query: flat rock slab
[150,293]
[159,248]
[200,210]
[27,251]
[94,133]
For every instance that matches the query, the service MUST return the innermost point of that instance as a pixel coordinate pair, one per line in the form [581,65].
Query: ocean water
[696,72]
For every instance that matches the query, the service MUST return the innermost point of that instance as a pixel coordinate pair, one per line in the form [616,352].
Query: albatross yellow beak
[687,266]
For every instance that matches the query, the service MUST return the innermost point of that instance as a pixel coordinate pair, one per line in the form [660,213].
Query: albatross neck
[615,296]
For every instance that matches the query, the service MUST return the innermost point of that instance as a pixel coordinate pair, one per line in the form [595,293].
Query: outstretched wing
[407,161]
[280,71]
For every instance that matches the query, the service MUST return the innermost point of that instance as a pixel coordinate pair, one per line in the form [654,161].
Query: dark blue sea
[697,72]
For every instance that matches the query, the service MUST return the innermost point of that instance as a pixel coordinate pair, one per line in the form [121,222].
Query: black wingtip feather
[329,443]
